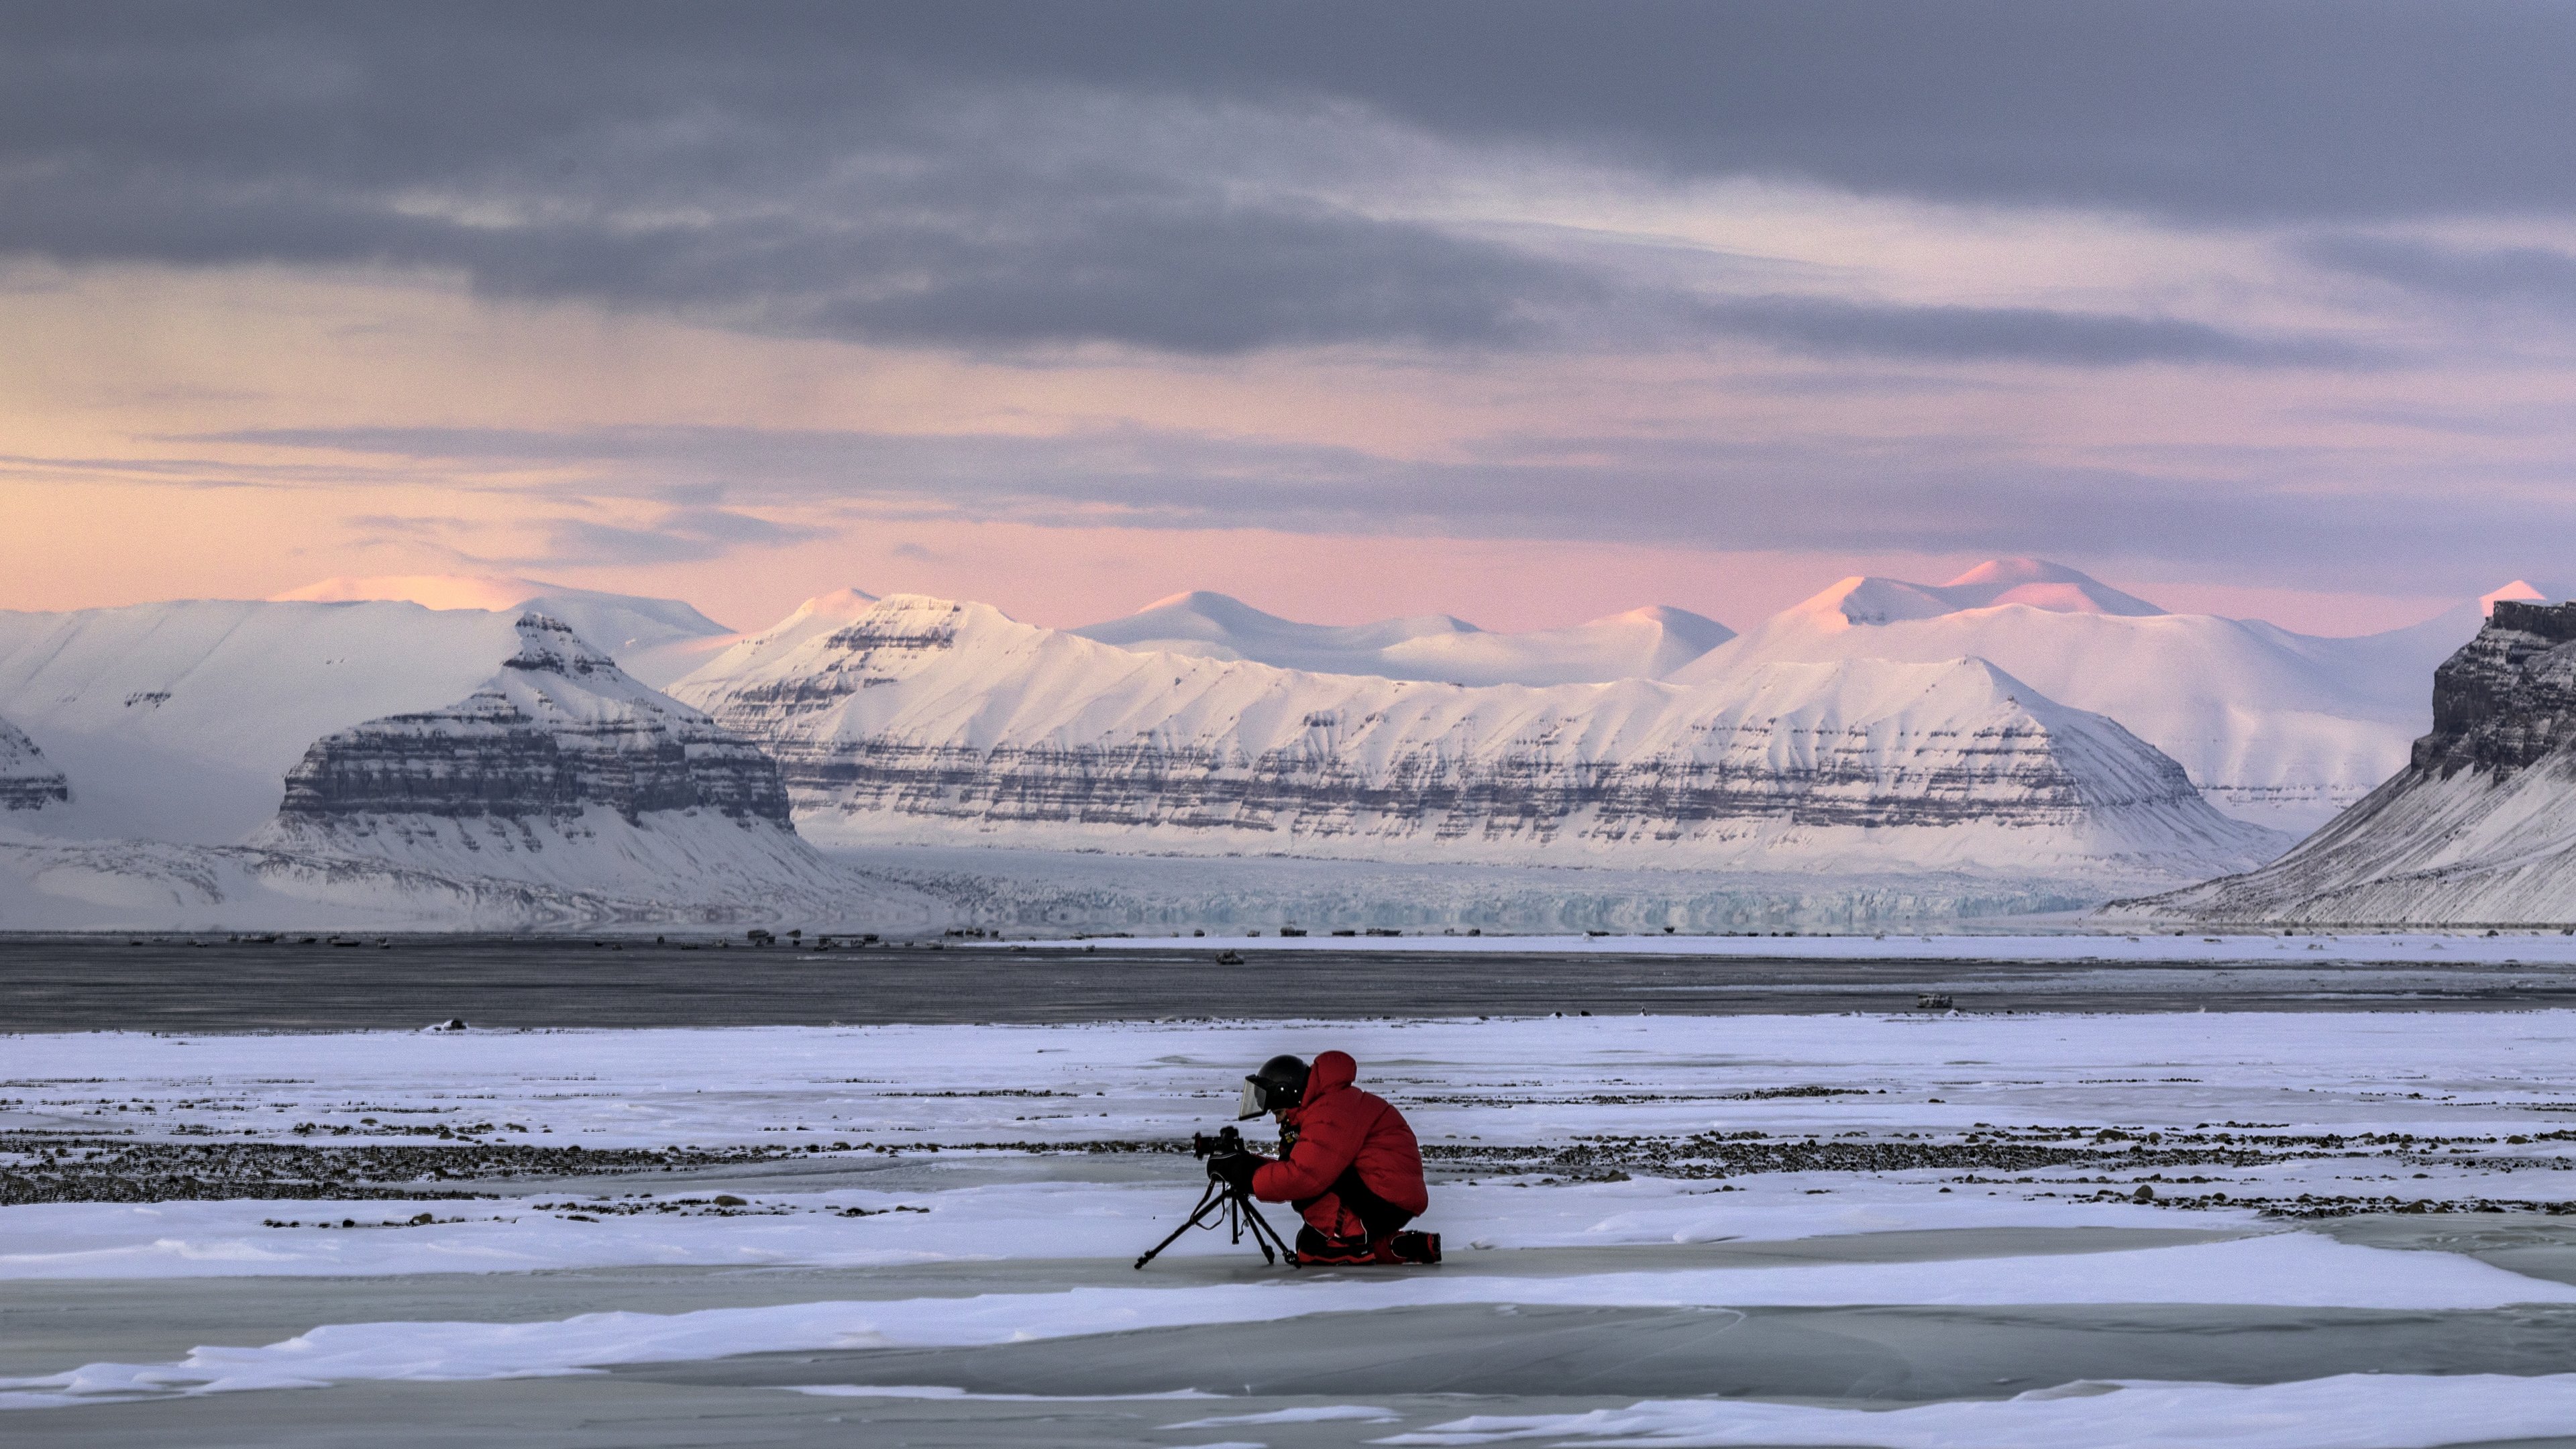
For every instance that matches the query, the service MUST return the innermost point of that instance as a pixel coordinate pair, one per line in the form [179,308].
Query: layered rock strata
[561,770]
[561,729]
[28,781]
[924,720]
[2478,828]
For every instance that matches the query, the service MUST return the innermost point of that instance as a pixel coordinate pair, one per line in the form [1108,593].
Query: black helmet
[1279,1085]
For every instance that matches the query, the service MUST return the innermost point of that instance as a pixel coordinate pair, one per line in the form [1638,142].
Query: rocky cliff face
[560,730]
[2479,827]
[930,721]
[27,780]
[560,770]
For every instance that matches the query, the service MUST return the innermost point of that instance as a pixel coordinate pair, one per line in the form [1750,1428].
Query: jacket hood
[1331,1072]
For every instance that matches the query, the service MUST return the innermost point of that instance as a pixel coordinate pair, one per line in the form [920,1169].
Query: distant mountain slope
[2480,826]
[926,720]
[1640,644]
[177,721]
[656,640]
[2275,727]
[821,614]
[2029,582]
[560,770]
[28,781]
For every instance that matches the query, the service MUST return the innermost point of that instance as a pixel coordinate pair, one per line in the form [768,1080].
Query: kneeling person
[1347,1161]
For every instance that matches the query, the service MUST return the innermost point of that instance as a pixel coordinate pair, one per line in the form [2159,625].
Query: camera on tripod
[1225,1141]
[1226,1203]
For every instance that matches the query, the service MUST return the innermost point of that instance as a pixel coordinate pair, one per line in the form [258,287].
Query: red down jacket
[1339,1126]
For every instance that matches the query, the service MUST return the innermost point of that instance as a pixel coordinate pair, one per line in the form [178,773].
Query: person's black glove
[1235,1169]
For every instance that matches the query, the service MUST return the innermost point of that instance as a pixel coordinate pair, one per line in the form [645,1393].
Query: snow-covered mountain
[560,770]
[28,781]
[178,721]
[2029,582]
[2276,727]
[655,640]
[2479,827]
[1640,644]
[929,721]
[822,614]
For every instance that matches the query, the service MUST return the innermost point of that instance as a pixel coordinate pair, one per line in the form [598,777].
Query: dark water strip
[95,983]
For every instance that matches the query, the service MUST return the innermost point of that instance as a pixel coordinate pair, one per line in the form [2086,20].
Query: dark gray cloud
[1919,495]
[999,258]
[2521,276]
[682,535]
[2237,107]
[1832,328]
[990,175]
[678,535]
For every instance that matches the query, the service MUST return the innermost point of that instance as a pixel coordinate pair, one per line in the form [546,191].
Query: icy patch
[2296,1270]
[2349,1411]
[938,1391]
[1320,1414]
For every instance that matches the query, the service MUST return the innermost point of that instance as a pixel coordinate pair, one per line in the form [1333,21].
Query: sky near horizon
[1524,313]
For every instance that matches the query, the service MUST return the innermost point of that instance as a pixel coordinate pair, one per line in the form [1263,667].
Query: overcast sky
[1526,313]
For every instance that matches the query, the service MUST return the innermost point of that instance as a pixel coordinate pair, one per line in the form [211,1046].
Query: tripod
[1239,1213]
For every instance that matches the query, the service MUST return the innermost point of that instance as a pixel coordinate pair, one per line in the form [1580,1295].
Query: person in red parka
[1347,1161]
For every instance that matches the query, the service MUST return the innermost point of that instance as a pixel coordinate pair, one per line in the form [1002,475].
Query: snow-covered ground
[880,1204]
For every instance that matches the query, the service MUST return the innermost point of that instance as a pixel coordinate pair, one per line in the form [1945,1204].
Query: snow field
[956,1213]
[2460,1085]
[1539,1080]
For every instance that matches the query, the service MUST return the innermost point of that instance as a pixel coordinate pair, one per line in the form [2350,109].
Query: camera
[1226,1140]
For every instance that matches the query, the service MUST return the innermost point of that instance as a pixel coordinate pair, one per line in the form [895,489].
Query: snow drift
[928,721]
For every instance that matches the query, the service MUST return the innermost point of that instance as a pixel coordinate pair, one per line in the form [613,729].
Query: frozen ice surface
[2290,1270]
[2349,1411]
[956,1250]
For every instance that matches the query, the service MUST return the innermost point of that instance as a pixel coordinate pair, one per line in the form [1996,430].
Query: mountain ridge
[1640,643]
[934,720]
[2277,728]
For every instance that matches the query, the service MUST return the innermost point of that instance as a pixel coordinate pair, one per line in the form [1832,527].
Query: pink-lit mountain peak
[2029,582]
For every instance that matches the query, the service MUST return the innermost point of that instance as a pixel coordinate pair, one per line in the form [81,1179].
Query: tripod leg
[1207,1200]
[1243,1209]
[1265,1235]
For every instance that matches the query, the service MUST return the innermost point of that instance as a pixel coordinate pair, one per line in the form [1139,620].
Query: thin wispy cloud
[1951,495]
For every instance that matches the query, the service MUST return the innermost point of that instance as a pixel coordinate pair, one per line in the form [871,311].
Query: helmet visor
[1252,1104]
